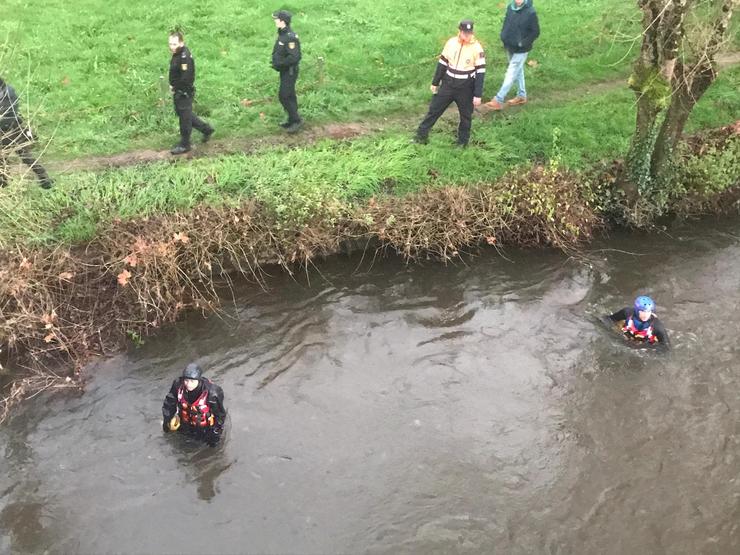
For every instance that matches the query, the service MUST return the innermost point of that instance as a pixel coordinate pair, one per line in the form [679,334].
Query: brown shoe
[516,101]
[494,104]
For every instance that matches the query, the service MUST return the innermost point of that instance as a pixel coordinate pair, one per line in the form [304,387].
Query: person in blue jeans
[518,33]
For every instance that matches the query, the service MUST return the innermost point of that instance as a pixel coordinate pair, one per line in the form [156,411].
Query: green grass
[91,70]
[295,182]
[93,83]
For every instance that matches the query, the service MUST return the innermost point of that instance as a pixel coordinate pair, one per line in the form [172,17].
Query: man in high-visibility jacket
[459,78]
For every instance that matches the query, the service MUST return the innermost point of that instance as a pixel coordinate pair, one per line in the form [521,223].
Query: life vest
[197,414]
[642,333]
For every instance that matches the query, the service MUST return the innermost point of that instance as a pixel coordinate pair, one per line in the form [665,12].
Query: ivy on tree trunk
[668,82]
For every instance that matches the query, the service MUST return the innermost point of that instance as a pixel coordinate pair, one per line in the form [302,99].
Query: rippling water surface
[479,407]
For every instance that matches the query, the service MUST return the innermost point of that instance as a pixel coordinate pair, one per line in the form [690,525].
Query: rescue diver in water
[640,322]
[195,406]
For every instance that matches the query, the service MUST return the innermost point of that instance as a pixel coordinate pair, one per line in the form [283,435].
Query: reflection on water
[479,407]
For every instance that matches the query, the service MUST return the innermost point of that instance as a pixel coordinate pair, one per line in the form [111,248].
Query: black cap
[466,25]
[192,372]
[283,15]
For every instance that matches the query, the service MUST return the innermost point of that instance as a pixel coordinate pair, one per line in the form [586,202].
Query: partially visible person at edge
[459,78]
[16,138]
[182,86]
[640,322]
[195,406]
[286,55]
[518,33]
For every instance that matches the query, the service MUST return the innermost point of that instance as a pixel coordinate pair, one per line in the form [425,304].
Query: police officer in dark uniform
[182,85]
[16,138]
[195,406]
[458,78]
[286,55]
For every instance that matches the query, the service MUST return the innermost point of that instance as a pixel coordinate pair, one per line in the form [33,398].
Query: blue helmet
[644,303]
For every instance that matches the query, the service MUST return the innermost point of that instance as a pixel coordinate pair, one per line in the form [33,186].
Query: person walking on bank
[459,78]
[518,33]
[182,85]
[286,55]
[16,138]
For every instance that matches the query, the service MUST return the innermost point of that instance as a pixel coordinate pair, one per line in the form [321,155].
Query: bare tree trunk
[684,99]
[667,88]
[689,86]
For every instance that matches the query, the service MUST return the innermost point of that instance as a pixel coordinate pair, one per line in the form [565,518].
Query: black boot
[180,149]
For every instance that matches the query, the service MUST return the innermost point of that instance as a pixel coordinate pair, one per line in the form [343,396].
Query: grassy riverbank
[115,254]
[575,131]
[91,71]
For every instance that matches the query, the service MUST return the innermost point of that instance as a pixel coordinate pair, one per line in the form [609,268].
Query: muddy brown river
[479,407]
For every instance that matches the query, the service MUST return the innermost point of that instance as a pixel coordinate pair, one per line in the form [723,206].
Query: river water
[378,408]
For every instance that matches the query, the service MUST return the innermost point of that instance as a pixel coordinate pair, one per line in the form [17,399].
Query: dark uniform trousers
[286,94]
[459,91]
[188,120]
[16,141]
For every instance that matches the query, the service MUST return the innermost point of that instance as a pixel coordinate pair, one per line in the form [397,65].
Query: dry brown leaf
[49,318]
[123,278]
[533,63]
[131,260]
[49,338]
[66,276]
[140,245]
[181,237]
[491,240]
[246,102]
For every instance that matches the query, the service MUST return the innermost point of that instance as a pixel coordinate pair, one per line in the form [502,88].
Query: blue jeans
[515,72]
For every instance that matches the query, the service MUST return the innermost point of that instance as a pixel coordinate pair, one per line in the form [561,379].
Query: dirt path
[312,134]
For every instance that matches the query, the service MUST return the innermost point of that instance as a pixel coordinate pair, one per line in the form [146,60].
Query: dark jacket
[521,28]
[182,72]
[215,399]
[659,330]
[286,53]
[10,117]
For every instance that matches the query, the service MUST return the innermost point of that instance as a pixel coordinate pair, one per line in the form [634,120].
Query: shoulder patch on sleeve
[291,45]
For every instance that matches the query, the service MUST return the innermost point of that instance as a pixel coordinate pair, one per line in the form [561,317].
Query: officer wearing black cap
[195,406]
[286,55]
[182,85]
[459,78]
